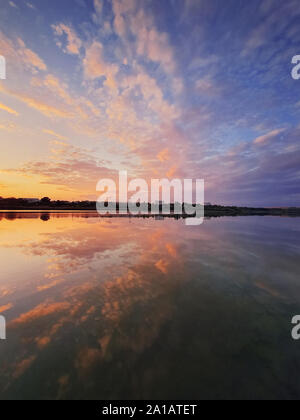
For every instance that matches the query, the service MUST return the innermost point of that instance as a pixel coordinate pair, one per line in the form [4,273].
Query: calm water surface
[148,309]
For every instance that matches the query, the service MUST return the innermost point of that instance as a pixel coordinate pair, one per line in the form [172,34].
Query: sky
[197,89]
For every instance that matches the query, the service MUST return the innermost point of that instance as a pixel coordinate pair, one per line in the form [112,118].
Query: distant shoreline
[210,211]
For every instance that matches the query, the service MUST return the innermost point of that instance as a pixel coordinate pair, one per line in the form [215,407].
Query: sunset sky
[160,88]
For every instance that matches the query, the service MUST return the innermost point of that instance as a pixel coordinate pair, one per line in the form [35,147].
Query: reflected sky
[140,308]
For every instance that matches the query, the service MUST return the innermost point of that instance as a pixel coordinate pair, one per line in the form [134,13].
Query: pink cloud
[268,137]
[73,41]
[95,66]
[18,54]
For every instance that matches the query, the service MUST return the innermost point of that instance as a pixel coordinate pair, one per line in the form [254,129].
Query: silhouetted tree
[45,200]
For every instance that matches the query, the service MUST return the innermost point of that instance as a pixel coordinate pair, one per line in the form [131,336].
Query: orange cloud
[171,172]
[5,307]
[40,311]
[73,42]
[74,168]
[52,133]
[18,53]
[43,342]
[87,358]
[30,58]
[172,250]
[162,266]
[163,155]
[22,366]
[37,104]
[9,110]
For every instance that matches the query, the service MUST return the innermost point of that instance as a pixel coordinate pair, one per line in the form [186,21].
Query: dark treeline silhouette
[46,203]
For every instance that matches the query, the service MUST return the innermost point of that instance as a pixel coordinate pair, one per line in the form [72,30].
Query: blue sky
[176,88]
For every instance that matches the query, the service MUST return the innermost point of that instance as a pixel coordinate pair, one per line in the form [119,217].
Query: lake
[133,308]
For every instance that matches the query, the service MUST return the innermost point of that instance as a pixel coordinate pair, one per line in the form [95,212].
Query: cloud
[12,4]
[7,126]
[40,311]
[207,86]
[261,176]
[54,88]
[5,308]
[120,9]
[49,96]
[95,66]
[163,155]
[17,53]
[21,367]
[53,134]
[74,43]
[30,5]
[271,24]
[30,58]
[9,110]
[37,104]
[152,94]
[155,46]
[98,5]
[269,136]
[162,266]
[132,20]
[75,168]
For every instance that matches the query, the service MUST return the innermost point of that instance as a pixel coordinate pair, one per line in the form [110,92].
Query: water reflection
[139,308]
